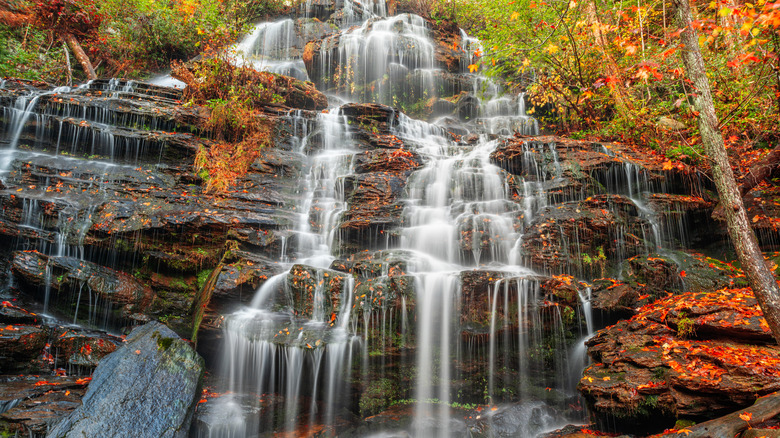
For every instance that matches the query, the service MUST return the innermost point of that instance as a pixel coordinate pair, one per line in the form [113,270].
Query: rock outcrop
[691,356]
[154,376]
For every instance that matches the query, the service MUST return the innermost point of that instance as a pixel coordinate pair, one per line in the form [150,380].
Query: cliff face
[403,267]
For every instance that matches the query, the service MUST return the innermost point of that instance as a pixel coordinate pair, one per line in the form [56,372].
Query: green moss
[202,277]
[164,343]
[683,423]
[660,373]
[377,396]
[685,327]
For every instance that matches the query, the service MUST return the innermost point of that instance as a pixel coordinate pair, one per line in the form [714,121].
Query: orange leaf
[747,416]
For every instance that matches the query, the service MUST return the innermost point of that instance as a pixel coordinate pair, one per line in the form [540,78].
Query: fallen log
[82,57]
[731,425]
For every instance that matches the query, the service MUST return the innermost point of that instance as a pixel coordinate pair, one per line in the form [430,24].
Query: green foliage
[613,70]
[234,96]
[258,9]
[125,39]
[376,397]
[685,327]
[26,52]
[148,35]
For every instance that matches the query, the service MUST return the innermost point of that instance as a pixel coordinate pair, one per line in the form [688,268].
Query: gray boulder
[149,387]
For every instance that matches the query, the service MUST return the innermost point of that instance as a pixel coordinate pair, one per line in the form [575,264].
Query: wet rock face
[82,350]
[155,376]
[118,215]
[480,288]
[316,293]
[650,277]
[692,356]
[590,235]
[374,208]
[19,346]
[31,405]
[11,314]
[68,275]
[46,349]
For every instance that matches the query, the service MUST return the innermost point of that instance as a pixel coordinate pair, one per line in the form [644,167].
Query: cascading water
[58,195]
[293,359]
[436,308]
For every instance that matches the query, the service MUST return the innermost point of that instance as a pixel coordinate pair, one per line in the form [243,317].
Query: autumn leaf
[668,165]
[473,68]
[747,416]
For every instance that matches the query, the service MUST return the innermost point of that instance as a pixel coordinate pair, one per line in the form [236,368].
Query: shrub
[232,94]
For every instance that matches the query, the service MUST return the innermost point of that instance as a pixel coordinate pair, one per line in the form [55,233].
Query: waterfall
[63,148]
[293,358]
[430,310]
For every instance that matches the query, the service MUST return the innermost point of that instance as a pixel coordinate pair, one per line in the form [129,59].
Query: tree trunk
[764,409]
[75,47]
[67,64]
[759,277]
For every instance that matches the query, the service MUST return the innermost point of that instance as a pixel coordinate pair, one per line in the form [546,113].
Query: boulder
[512,420]
[148,387]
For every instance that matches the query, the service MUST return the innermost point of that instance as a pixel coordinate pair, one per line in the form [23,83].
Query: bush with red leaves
[78,17]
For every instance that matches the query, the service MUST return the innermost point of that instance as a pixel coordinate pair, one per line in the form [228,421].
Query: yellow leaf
[668,165]
[551,49]
[606,378]
[473,68]
[723,12]
[514,16]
